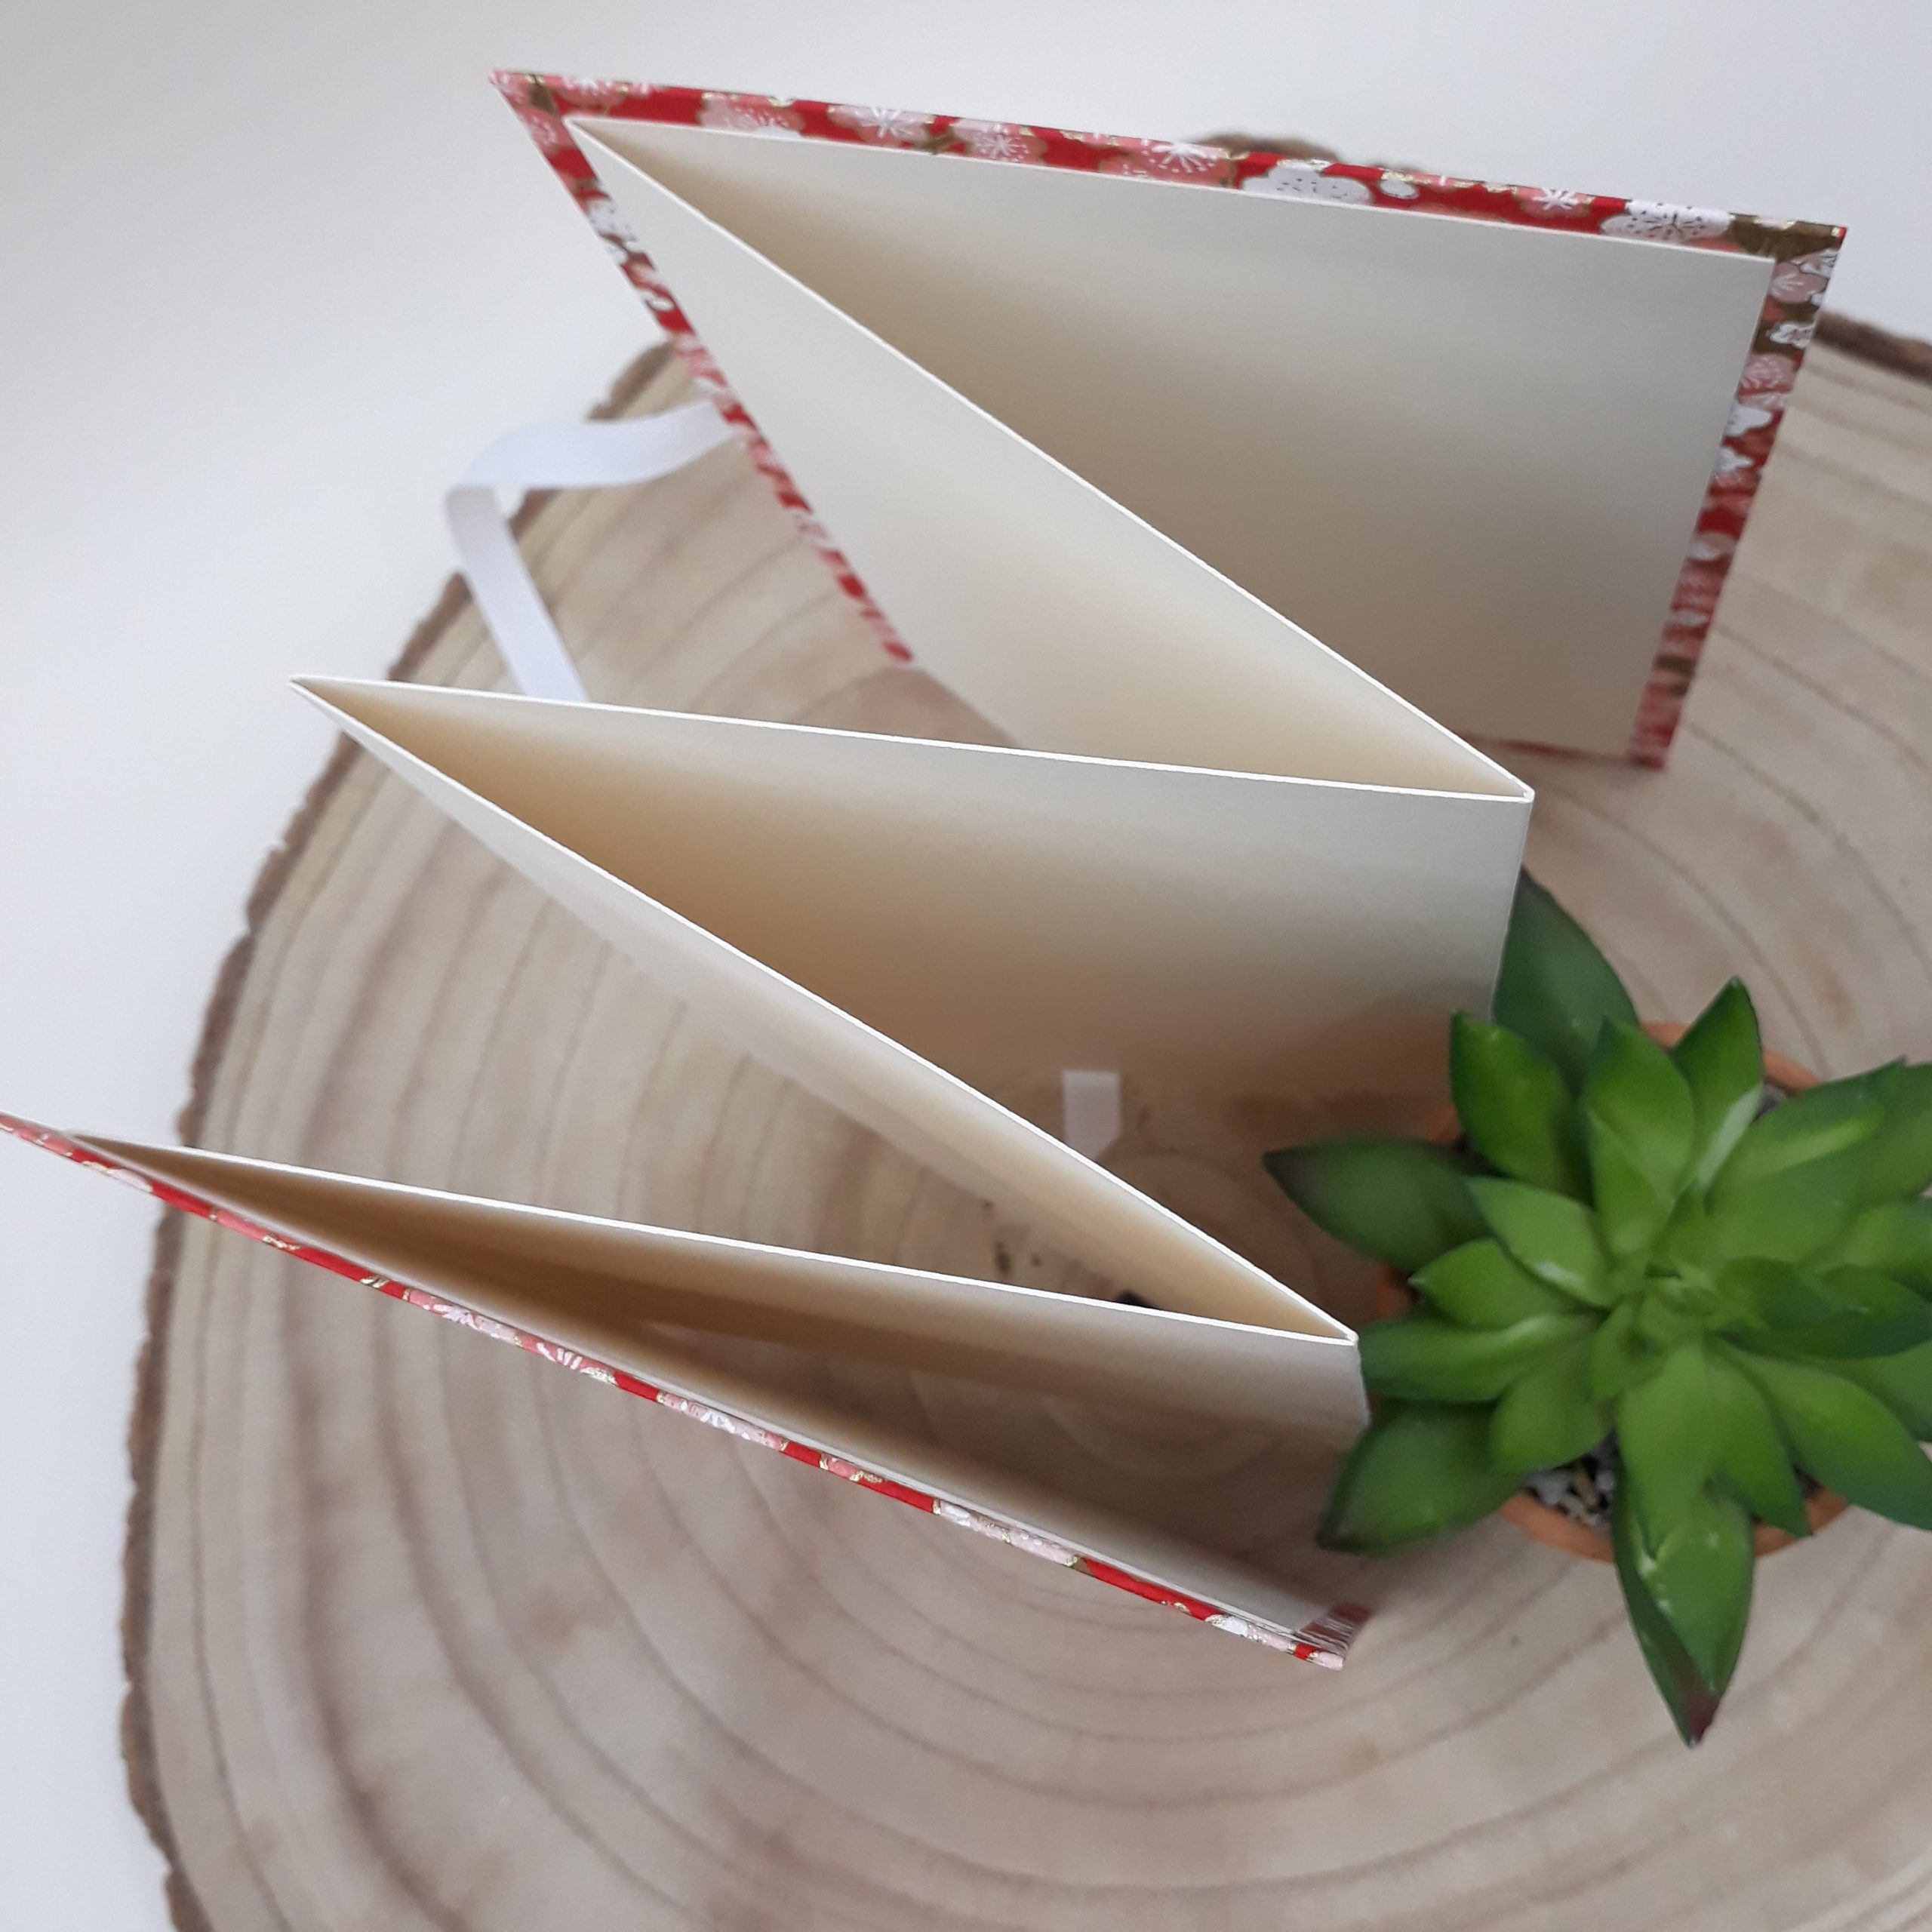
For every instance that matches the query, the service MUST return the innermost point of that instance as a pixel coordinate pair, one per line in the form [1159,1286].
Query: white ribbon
[1090,1103]
[556,455]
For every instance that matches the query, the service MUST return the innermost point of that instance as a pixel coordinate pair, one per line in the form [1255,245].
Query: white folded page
[624,1273]
[929,1113]
[1065,620]
[1468,455]
[1000,911]
[715,1390]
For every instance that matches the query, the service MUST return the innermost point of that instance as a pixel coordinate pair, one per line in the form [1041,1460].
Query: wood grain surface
[423,1632]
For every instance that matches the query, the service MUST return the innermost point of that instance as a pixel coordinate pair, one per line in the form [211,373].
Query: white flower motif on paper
[128,1177]
[1169,160]
[1306,179]
[998,140]
[1665,221]
[749,114]
[1697,590]
[466,1317]
[1749,413]
[702,366]
[745,1431]
[1767,376]
[602,213]
[546,130]
[1711,547]
[1795,335]
[592,97]
[1804,277]
[894,126]
[564,1358]
[1550,203]
[1010,1534]
[1397,187]
[1252,1629]
[1731,465]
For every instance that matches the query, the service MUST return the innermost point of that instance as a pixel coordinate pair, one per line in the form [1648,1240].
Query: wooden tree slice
[425,1633]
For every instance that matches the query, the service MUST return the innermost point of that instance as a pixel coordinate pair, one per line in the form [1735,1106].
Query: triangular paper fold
[534,1267]
[1470,456]
[579,1292]
[1001,911]
[498,745]
[1067,621]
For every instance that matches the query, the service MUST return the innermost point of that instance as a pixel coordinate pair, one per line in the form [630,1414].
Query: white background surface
[270,275]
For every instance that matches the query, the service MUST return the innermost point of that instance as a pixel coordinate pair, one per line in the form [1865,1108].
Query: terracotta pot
[1394,1296]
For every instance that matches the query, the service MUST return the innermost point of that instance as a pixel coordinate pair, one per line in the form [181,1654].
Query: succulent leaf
[1515,1107]
[1418,1470]
[1895,1237]
[1900,1164]
[1664,1321]
[1879,1316]
[1691,1702]
[1619,1357]
[1685,1239]
[1667,1433]
[1697,1579]
[1554,1238]
[1843,1311]
[1825,1120]
[1846,1437]
[1791,1217]
[1401,1201]
[1750,1460]
[1422,1358]
[1721,1058]
[1478,1285]
[1790,1186]
[1631,1211]
[1638,1122]
[1556,988]
[1547,1416]
[1903,1383]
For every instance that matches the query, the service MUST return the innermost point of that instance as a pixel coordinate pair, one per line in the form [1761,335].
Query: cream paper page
[1468,456]
[620,1272]
[1145,1548]
[929,1113]
[1000,911]
[1067,621]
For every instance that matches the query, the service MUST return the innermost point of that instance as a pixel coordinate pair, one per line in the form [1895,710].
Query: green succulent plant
[1638,1246]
